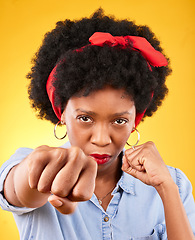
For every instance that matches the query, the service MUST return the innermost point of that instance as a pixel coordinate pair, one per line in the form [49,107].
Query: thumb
[63,205]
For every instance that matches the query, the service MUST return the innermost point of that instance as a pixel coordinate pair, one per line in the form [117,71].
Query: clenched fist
[145,163]
[65,176]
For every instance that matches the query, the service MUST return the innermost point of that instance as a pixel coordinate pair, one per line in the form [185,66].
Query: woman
[100,77]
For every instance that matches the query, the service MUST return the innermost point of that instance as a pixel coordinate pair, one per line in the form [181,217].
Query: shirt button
[106,219]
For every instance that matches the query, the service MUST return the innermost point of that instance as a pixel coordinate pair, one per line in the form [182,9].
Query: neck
[106,181]
[108,177]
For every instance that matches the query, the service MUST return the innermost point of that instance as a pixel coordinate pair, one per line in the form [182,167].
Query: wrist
[167,188]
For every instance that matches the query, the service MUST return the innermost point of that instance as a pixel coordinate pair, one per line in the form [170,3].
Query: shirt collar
[127,183]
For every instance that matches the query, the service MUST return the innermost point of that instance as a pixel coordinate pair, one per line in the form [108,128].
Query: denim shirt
[135,212]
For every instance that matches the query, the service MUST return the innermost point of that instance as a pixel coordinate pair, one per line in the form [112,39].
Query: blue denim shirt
[135,212]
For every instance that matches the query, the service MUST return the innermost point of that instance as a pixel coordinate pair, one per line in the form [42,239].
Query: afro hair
[95,67]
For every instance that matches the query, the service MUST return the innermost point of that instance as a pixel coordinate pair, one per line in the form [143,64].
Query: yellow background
[23,25]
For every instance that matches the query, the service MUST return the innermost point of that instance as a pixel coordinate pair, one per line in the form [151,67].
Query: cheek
[120,136]
[77,136]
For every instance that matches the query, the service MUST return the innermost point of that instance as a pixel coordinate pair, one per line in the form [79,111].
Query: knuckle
[75,152]
[43,188]
[38,156]
[33,161]
[74,155]
[148,146]
[41,148]
[59,155]
[150,143]
[56,152]
[58,191]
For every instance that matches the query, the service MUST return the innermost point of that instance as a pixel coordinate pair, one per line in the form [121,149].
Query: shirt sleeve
[185,191]
[15,159]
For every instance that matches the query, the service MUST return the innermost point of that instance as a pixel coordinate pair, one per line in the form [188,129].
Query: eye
[85,119]
[120,121]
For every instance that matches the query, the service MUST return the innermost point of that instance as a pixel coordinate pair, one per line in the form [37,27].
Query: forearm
[17,190]
[177,223]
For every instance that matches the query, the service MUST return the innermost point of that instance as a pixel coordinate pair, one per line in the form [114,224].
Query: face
[100,124]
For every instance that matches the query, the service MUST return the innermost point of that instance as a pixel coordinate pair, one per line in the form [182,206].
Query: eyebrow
[122,113]
[85,111]
[94,114]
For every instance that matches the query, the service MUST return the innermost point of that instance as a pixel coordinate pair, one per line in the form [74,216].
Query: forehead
[107,99]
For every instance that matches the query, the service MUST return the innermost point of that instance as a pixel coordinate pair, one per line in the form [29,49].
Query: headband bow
[152,56]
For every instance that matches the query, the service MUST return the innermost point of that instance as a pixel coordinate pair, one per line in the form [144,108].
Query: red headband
[152,56]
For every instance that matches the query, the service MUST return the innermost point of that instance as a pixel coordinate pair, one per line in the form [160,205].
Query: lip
[100,158]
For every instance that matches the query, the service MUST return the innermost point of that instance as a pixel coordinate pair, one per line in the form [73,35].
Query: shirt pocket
[158,233]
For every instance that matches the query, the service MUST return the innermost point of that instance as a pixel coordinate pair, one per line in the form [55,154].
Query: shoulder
[178,176]
[183,183]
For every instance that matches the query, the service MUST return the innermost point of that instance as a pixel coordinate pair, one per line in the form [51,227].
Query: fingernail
[56,203]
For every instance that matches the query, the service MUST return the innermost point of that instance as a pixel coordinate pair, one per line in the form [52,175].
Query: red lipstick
[100,158]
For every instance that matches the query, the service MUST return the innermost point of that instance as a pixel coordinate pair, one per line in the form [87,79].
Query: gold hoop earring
[59,138]
[138,138]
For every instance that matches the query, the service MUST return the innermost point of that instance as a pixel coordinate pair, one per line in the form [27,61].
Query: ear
[63,120]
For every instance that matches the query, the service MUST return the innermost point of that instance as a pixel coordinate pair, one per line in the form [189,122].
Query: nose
[101,136]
